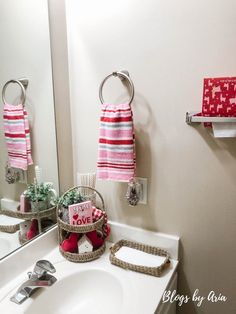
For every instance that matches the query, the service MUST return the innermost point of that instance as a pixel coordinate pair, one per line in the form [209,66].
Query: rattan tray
[80,229]
[9,225]
[154,271]
[29,215]
[84,257]
[9,228]
[26,216]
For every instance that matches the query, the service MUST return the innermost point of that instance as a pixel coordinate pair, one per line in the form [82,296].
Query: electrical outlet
[143,190]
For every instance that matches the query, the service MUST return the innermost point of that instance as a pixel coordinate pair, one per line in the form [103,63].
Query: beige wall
[168,47]
[25,52]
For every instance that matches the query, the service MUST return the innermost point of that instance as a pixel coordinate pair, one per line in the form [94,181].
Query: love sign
[81,213]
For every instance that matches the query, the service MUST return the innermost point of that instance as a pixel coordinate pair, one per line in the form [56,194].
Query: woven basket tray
[65,227]
[29,215]
[154,271]
[9,228]
[84,257]
[26,216]
[80,229]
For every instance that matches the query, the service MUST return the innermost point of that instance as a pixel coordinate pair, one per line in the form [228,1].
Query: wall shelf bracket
[193,117]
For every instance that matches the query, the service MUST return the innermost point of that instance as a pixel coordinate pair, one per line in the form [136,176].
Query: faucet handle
[42,267]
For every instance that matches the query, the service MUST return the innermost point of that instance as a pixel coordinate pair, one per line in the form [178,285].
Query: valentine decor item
[91,236]
[218,107]
[81,213]
[85,245]
[219,97]
[70,244]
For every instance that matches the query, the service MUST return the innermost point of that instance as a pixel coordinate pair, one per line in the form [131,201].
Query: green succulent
[38,192]
[70,198]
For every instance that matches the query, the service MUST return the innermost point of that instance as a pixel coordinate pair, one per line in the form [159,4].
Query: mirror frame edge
[60,77]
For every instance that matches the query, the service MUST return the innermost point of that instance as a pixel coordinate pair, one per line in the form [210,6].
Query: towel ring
[23,93]
[122,75]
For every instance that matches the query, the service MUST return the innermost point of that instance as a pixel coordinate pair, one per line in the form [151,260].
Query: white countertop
[143,292]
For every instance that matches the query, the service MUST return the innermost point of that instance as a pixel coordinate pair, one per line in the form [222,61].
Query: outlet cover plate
[143,193]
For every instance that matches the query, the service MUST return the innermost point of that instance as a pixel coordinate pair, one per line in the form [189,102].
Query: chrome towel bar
[23,83]
[123,75]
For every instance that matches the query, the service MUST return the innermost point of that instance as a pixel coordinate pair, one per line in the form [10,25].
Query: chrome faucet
[37,279]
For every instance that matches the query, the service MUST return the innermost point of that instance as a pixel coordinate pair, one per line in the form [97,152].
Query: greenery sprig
[70,198]
[38,192]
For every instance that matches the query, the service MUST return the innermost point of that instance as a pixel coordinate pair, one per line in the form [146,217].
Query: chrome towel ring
[123,75]
[23,83]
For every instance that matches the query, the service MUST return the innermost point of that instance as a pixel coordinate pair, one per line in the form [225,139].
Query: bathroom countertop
[143,292]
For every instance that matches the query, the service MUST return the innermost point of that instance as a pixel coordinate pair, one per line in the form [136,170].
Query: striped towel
[17,135]
[116,153]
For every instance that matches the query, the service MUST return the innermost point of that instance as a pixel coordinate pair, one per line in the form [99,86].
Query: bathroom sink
[88,288]
[90,291]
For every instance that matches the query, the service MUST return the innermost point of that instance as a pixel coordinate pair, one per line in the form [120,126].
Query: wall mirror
[25,52]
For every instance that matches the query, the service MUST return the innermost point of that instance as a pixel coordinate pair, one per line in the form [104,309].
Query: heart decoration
[75,216]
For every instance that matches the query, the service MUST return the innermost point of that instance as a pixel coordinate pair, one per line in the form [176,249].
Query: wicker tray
[50,212]
[29,215]
[65,227]
[80,229]
[9,228]
[154,271]
[84,257]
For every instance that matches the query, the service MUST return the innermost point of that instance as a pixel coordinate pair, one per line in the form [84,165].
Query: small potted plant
[39,195]
[70,198]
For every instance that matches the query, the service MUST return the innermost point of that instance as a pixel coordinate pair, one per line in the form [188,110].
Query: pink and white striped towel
[116,152]
[17,135]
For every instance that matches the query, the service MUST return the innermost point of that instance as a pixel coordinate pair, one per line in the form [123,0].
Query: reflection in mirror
[27,191]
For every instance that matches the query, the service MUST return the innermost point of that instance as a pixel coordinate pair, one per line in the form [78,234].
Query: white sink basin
[87,288]
[91,291]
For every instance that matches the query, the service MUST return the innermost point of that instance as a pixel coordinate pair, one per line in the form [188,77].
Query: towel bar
[23,83]
[122,75]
